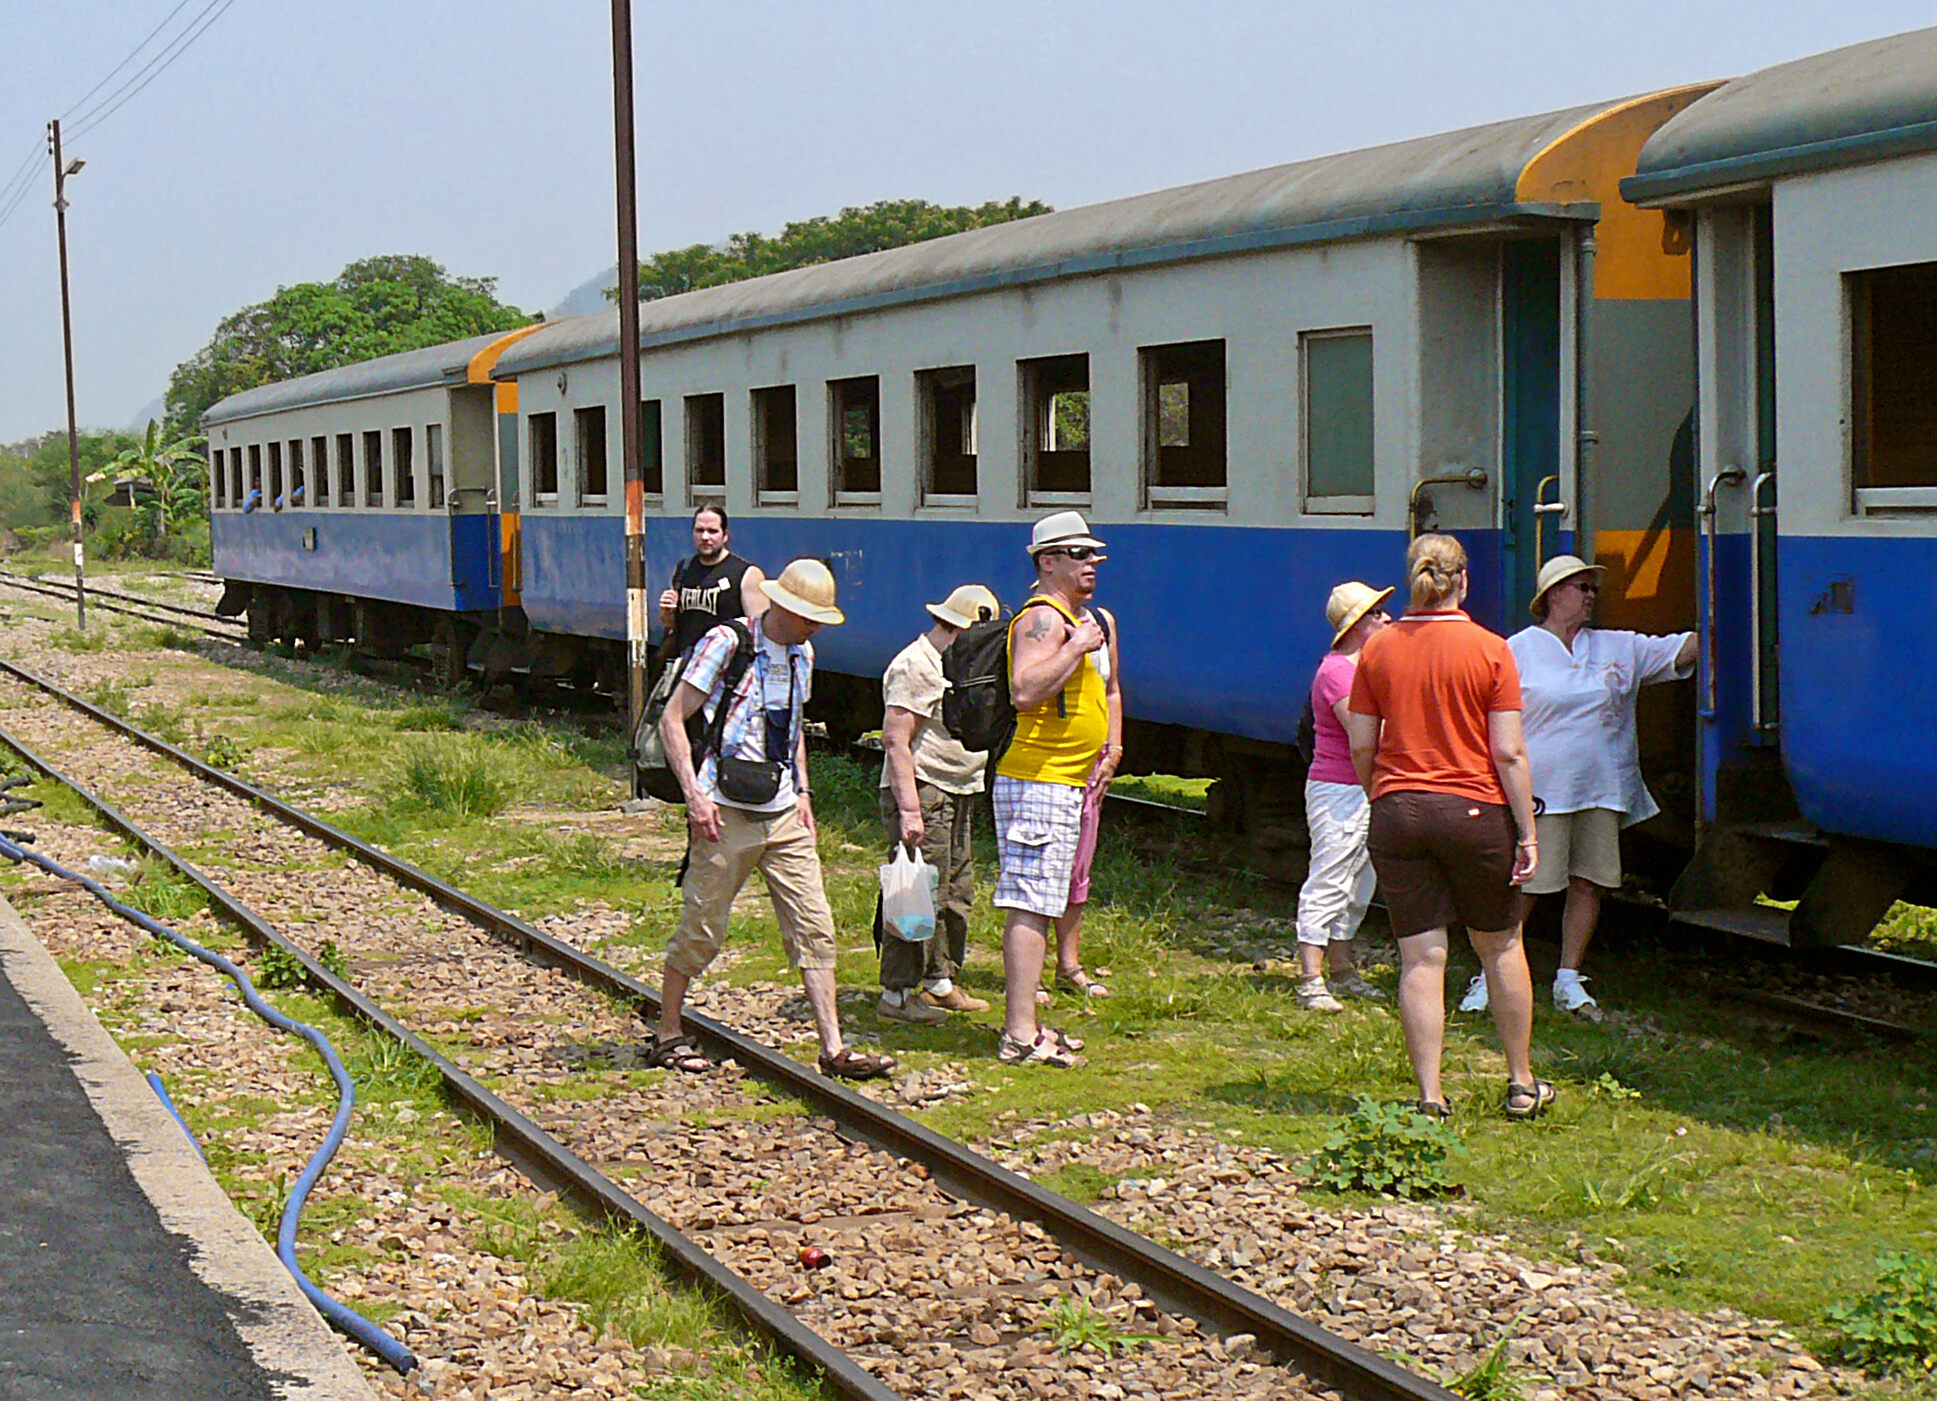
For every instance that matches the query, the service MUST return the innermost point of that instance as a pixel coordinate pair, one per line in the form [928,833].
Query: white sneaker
[1570,996]
[1314,996]
[1475,999]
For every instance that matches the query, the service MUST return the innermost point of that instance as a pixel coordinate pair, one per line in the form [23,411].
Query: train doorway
[1530,417]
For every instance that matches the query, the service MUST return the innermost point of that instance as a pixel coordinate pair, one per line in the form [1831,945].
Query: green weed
[384,1064]
[1388,1148]
[456,776]
[1493,1378]
[224,752]
[75,640]
[1893,1329]
[159,890]
[278,968]
[426,718]
[1072,1324]
[333,959]
[620,1278]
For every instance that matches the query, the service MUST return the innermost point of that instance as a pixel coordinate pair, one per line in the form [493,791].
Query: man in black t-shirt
[711,586]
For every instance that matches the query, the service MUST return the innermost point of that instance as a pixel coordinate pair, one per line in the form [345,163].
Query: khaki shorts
[1586,844]
[782,849]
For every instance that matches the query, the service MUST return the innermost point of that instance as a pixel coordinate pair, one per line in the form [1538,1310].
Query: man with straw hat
[749,808]
[1339,882]
[928,783]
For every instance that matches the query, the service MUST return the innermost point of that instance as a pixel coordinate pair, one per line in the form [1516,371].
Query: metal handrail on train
[1474,477]
[1761,723]
[1541,510]
[1730,476]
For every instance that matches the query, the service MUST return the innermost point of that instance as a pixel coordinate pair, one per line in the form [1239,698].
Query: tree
[176,474]
[378,306]
[889,223]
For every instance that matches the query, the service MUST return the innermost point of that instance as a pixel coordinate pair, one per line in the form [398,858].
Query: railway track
[147,609]
[733,1172]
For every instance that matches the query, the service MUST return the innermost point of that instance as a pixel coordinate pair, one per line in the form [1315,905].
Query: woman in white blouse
[1581,685]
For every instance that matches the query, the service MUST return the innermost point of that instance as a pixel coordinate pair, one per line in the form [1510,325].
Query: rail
[1762,722]
[1169,1280]
[1728,476]
[1474,477]
[1542,510]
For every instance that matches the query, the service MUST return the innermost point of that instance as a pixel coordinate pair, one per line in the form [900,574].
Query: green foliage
[158,890]
[35,484]
[169,485]
[1493,1378]
[391,1070]
[378,306]
[455,776]
[224,752]
[278,968]
[1388,1148]
[1072,1324]
[333,959]
[888,223]
[1893,1329]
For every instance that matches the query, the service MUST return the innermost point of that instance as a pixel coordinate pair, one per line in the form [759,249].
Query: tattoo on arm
[1038,629]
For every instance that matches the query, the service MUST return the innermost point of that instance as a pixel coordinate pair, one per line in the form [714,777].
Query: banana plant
[177,475]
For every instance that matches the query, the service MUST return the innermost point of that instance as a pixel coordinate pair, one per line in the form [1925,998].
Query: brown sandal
[678,1053]
[855,1065]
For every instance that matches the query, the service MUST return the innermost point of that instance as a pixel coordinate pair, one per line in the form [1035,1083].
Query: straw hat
[1559,570]
[1061,530]
[805,588]
[1350,602]
[971,603]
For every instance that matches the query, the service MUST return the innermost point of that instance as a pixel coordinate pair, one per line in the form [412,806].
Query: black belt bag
[748,782]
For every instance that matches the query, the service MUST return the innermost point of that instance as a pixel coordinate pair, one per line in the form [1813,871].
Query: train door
[1530,283]
[1765,713]
[510,518]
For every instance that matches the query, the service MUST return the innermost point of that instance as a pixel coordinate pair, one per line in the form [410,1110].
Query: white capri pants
[1339,886]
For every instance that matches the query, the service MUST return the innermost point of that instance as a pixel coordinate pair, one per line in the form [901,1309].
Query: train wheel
[450,646]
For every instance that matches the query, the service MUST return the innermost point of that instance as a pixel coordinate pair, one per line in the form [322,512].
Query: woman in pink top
[1340,882]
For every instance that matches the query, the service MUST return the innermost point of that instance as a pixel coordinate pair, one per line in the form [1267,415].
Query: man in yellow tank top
[1063,681]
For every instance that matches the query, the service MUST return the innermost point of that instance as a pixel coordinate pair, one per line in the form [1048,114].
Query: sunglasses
[1080,554]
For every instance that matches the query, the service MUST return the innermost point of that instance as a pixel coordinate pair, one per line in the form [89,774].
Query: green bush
[1388,1148]
[452,774]
[278,968]
[1894,1328]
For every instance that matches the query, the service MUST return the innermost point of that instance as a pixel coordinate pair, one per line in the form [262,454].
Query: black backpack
[653,775]
[976,708]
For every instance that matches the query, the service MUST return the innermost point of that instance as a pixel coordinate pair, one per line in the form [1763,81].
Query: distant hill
[587,297]
[157,409]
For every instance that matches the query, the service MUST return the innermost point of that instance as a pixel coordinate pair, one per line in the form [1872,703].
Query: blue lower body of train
[429,559]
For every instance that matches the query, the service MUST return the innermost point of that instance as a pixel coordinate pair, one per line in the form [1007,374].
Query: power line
[11,191]
[26,188]
[129,59]
[176,47]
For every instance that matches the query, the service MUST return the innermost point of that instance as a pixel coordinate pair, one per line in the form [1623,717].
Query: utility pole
[61,171]
[630,413]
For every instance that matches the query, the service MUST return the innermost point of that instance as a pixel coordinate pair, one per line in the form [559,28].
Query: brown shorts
[1441,858]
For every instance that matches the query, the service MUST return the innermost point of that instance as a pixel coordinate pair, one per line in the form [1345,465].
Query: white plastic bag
[908,896]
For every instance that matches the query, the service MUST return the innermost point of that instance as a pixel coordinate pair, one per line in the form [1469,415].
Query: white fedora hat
[970,603]
[1061,530]
[805,588]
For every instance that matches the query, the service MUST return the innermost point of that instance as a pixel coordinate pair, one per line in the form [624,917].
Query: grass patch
[1192,793]
[455,776]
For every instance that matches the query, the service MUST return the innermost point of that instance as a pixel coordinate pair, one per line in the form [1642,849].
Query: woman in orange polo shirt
[1434,720]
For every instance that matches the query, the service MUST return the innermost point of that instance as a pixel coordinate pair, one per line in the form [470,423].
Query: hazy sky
[293,138]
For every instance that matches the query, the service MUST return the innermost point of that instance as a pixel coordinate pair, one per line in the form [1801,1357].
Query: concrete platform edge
[288,1339]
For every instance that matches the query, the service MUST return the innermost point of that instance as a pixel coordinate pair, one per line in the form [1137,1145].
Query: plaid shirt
[745,735]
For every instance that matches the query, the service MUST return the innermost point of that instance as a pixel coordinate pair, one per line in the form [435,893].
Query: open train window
[218,478]
[543,431]
[776,446]
[1055,423]
[946,417]
[255,475]
[319,471]
[652,450]
[434,463]
[237,497]
[588,435]
[706,447]
[1893,395]
[345,470]
[373,467]
[298,478]
[1183,423]
[1335,400]
[854,424]
[401,442]
[275,501]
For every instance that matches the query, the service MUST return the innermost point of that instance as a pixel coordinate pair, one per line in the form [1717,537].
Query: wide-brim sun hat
[1559,570]
[970,603]
[806,588]
[1348,603]
[1060,531]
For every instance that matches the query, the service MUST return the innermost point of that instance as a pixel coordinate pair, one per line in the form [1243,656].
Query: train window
[854,430]
[1335,392]
[1183,423]
[275,501]
[588,443]
[652,450]
[319,471]
[402,450]
[218,478]
[543,431]
[298,478]
[255,475]
[373,467]
[434,463]
[1893,397]
[706,446]
[1055,421]
[945,408]
[776,446]
[345,470]
[237,497]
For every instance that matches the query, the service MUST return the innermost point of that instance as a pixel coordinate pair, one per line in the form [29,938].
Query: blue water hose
[393,1353]
[161,1093]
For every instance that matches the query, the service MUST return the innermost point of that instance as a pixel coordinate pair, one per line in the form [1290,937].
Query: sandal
[678,1053]
[850,1064]
[1530,1101]
[1432,1108]
[1062,1038]
[1076,980]
[1047,1050]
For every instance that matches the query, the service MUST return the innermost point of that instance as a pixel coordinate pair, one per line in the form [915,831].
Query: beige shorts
[782,849]
[1586,844]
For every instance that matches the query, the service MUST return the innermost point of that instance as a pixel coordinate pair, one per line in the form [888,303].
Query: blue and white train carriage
[1810,193]
[1255,386]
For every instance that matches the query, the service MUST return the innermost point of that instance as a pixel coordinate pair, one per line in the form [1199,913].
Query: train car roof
[1866,102]
[388,374]
[1457,179]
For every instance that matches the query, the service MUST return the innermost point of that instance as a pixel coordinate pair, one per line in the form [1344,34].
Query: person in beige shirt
[928,783]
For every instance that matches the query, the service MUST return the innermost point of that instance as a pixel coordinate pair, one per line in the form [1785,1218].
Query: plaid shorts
[1037,828]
